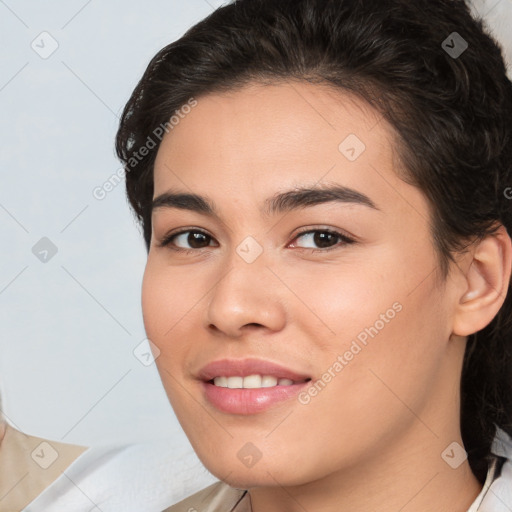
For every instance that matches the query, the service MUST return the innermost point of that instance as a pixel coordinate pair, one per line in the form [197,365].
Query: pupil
[320,238]
[193,238]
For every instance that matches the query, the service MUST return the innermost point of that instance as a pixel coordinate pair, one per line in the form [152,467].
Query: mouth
[249,386]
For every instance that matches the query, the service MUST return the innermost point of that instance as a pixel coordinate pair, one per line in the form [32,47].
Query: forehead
[258,139]
[277,112]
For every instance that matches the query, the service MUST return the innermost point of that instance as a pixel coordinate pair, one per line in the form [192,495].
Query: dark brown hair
[435,75]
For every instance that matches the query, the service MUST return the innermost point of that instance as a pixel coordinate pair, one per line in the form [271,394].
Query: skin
[395,406]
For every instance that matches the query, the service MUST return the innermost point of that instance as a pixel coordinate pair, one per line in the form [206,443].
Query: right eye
[194,237]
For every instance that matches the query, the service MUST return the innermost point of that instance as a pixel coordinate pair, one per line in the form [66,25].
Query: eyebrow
[300,197]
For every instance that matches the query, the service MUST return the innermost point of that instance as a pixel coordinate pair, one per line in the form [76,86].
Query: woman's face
[338,293]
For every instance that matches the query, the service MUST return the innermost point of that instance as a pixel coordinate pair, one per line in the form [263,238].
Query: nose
[247,297]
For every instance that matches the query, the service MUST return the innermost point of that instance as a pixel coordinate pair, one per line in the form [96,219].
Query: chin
[260,475]
[248,478]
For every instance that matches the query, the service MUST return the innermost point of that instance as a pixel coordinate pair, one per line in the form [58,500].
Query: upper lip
[245,367]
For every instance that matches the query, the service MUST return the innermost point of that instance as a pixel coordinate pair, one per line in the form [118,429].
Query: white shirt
[496,495]
[142,477]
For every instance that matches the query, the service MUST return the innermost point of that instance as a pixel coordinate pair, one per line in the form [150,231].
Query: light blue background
[68,327]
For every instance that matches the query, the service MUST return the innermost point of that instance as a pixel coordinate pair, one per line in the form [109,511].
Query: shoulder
[496,494]
[218,497]
[499,496]
[29,464]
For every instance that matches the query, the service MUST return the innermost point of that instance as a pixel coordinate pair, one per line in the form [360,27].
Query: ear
[485,284]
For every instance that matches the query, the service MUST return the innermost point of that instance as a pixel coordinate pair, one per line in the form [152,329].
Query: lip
[249,401]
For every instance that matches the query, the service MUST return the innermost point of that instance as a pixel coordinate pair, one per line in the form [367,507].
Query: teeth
[251,382]
[221,382]
[235,382]
[268,381]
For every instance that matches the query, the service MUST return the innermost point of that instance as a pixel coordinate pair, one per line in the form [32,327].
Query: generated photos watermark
[100,192]
[356,346]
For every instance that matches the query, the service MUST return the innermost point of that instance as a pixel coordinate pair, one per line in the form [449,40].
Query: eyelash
[345,240]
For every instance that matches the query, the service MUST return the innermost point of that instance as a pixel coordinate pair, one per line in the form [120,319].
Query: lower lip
[249,401]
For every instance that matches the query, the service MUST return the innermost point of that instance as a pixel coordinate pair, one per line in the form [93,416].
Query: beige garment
[218,497]
[28,465]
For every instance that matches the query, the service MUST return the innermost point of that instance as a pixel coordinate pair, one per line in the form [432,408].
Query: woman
[324,192]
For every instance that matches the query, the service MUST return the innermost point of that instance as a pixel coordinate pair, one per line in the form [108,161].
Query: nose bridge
[246,271]
[247,292]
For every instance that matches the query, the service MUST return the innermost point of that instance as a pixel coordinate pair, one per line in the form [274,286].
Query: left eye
[324,237]
[196,239]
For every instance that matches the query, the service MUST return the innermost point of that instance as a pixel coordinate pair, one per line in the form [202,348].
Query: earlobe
[486,283]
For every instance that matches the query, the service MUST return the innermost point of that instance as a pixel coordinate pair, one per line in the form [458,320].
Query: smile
[249,386]
[251,382]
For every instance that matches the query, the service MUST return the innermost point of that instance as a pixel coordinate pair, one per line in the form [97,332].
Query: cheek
[164,312]
[395,359]
[167,296]
[343,304]
[153,304]
[390,333]
[165,305]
